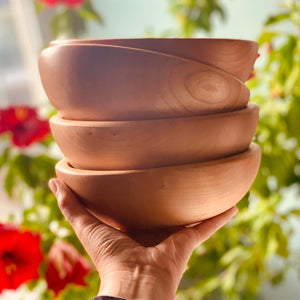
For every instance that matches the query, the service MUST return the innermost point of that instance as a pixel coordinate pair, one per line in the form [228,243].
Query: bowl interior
[234,56]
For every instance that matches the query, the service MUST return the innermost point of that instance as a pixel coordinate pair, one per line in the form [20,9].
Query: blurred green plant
[27,165]
[195,15]
[235,262]
[69,20]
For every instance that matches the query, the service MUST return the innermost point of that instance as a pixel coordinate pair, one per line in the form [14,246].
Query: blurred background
[257,256]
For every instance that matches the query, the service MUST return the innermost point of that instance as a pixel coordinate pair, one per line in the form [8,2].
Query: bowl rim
[75,41]
[59,120]
[45,51]
[65,167]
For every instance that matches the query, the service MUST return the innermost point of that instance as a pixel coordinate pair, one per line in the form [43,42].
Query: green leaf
[4,158]
[88,12]
[292,79]
[221,12]
[229,277]
[67,23]
[23,165]
[244,202]
[295,212]
[276,279]
[293,118]
[211,284]
[56,26]
[277,18]
[281,239]
[234,254]
[10,180]
[196,15]
[88,15]
[266,37]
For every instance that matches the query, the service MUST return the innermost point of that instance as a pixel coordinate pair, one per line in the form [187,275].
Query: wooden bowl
[236,57]
[95,82]
[124,145]
[167,196]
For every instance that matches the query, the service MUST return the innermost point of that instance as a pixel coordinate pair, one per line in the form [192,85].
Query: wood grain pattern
[94,82]
[168,196]
[236,57]
[121,145]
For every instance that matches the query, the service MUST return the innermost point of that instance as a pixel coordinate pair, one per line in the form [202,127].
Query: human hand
[127,268]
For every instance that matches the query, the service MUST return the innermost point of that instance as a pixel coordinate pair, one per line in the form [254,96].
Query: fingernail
[53,186]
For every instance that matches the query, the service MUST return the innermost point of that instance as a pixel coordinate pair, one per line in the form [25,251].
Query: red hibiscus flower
[24,125]
[20,256]
[69,3]
[66,265]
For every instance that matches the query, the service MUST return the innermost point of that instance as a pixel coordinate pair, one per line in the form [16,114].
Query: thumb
[85,225]
[70,206]
[186,240]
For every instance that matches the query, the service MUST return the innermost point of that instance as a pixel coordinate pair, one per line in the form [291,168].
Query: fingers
[207,228]
[70,206]
[90,230]
[186,240]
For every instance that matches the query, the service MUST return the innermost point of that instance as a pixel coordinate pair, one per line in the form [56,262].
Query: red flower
[69,3]
[24,125]
[66,265]
[20,256]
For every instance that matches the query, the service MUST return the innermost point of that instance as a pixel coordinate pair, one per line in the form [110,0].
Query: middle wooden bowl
[126,145]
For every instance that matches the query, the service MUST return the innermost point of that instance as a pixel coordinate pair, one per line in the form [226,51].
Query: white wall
[131,18]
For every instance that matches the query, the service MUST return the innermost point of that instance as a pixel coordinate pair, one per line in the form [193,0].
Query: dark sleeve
[107,298]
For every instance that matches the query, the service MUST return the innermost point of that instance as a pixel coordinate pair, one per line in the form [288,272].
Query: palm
[160,254]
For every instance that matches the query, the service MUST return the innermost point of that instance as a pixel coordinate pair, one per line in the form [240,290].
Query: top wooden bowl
[167,196]
[97,82]
[236,57]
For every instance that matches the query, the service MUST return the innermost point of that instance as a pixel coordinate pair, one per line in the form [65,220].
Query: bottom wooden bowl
[166,196]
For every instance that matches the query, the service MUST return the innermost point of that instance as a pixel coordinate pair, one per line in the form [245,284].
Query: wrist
[138,283]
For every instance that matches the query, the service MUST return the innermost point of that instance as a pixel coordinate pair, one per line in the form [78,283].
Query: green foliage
[234,262]
[71,22]
[4,157]
[33,171]
[30,174]
[195,15]
[68,22]
[87,12]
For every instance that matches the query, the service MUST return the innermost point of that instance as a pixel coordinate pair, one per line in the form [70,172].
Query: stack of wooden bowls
[156,132]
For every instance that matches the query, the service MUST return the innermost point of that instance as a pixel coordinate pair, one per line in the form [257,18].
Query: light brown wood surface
[236,57]
[94,82]
[168,196]
[116,145]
